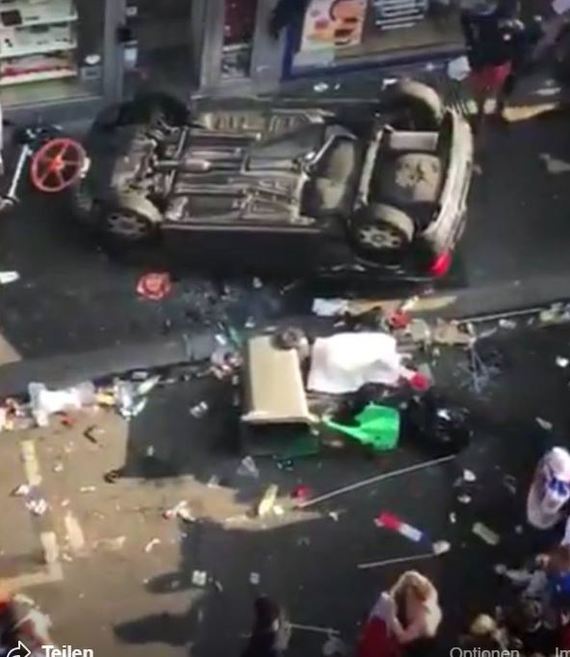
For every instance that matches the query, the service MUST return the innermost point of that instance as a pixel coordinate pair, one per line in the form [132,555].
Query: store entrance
[161,56]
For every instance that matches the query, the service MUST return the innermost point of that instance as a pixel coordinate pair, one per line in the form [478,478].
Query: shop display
[333,23]
[239,27]
[38,40]
[394,14]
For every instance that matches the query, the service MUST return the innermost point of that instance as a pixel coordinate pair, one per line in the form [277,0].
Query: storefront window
[50,50]
[239,26]
[344,30]
[160,56]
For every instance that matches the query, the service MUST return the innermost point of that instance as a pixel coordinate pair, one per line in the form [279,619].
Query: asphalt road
[127,582]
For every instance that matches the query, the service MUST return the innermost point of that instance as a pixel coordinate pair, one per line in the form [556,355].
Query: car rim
[379,238]
[127,225]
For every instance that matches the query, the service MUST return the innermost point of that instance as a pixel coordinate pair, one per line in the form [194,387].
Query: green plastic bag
[378,427]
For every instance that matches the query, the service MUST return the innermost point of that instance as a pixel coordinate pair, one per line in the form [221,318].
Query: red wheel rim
[57,165]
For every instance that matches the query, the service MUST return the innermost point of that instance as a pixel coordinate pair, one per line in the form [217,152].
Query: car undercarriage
[358,186]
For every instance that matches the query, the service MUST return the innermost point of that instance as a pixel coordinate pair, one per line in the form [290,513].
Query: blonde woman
[407,613]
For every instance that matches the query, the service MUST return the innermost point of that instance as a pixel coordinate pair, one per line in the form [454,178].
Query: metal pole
[373,480]
[314,628]
[387,562]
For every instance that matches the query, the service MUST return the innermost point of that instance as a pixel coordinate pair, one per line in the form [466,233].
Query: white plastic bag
[346,361]
[45,402]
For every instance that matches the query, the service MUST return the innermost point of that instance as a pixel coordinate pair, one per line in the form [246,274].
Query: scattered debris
[344,362]
[213,482]
[44,402]
[150,545]
[452,333]
[510,483]
[563,362]
[111,544]
[389,562]
[131,397]
[74,533]
[301,493]
[320,87]
[469,476]
[334,646]
[180,510]
[419,331]
[22,490]
[257,283]
[558,313]
[200,410]
[267,502]
[395,524]
[278,510]
[330,307]
[154,286]
[441,547]
[254,579]
[199,578]
[111,476]
[58,467]
[452,518]
[87,489]
[7,277]
[37,506]
[248,468]
[509,324]
[92,432]
[334,515]
[464,498]
[485,534]
[376,426]
[544,424]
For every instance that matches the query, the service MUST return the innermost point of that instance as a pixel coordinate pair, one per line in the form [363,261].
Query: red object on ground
[490,78]
[441,265]
[155,286]
[420,382]
[57,165]
[376,642]
[67,420]
[301,493]
[399,319]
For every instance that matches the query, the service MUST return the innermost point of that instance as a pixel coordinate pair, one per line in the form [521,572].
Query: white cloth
[346,361]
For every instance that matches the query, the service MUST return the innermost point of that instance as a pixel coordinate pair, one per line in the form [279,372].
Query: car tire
[380,228]
[132,219]
[417,106]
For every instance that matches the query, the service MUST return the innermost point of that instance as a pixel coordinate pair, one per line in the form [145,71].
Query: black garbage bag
[436,426]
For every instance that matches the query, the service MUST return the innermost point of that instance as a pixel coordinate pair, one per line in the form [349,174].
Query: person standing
[404,620]
[491,33]
[271,630]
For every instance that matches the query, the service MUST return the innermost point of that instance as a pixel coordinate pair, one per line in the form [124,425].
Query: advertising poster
[331,24]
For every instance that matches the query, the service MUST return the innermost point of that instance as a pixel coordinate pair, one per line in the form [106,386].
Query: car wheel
[132,218]
[417,106]
[383,228]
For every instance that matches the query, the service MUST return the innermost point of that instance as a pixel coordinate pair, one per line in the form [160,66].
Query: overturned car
[380,187]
